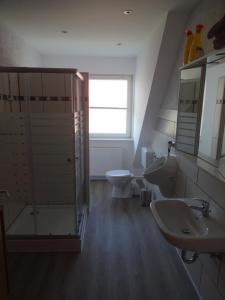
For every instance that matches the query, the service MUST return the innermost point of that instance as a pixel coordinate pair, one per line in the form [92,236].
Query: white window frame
[129,108]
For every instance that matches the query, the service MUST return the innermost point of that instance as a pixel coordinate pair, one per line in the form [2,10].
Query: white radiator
[103,159]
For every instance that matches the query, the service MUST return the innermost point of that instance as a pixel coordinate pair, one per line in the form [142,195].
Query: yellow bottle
[189,39]
[196,49]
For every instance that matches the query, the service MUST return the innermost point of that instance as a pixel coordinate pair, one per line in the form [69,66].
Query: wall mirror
[201,110]
[212,135]
[189,109]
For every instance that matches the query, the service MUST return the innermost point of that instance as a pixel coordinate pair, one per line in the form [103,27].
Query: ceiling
[95,27]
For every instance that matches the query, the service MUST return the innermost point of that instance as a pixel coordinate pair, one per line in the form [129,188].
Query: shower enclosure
[44,160]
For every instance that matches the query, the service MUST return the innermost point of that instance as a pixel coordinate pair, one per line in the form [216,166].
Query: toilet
[121,183]
[121,179]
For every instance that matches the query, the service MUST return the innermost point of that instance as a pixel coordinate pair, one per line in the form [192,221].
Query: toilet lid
[118,173]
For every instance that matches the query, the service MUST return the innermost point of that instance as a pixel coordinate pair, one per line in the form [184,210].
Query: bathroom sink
[162,172]
[187,230]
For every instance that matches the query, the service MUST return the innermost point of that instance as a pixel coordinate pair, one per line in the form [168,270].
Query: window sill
[112,139]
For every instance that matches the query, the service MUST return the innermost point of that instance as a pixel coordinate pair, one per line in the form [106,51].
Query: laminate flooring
[124,258]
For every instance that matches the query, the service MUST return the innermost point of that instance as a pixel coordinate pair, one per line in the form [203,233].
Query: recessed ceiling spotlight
[64,31]
[119,44]
[128,12]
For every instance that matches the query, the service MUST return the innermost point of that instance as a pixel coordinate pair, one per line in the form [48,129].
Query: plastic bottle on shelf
[196,49]
[189,39]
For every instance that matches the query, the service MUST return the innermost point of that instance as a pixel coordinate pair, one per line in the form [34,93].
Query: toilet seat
[118,173]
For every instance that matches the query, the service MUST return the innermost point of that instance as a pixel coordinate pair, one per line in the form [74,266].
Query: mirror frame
[201,63]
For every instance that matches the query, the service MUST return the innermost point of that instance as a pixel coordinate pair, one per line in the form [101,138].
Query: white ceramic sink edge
[185,229]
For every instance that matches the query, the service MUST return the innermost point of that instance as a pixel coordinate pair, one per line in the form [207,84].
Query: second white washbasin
[183,228]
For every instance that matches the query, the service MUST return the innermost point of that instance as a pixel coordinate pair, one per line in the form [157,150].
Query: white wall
[108,155]
[145,69]
[92,64]
[120,151]
[199,179]
[14,51]
[167,56]
[208,13]
[207,273]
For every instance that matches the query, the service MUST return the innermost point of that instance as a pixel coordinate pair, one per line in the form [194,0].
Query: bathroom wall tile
[217,212]
[30,84]
[193,191]
[69,92]
[208,290]
[180,184]
[36,88]
[4,83]
[212,186]
[168,114]
[54,106]
[53,84]
[185,148]
[211,266]
[24,90]
[188,167]
[2,106]
[13,84]
[185,139]
[14,91]
[222,278]
[37,106]
[195,271]
[15,106]
[23,84]
[68,85]
[166,127]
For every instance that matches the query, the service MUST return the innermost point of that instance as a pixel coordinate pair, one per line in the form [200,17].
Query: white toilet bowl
[121,183]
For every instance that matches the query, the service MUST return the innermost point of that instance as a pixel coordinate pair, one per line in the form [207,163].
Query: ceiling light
[64,31]
[128,12]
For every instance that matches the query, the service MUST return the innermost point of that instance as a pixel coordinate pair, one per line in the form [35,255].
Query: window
[110,106]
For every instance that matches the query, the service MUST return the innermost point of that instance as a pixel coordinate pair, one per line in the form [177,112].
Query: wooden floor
[124,258]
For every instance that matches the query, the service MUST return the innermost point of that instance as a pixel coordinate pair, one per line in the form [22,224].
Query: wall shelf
[209,58]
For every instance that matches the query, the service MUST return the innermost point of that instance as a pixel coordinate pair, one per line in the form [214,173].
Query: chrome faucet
[204,208]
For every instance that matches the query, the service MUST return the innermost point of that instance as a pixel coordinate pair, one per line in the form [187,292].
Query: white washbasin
[185,229]
[162,172]
[156,165]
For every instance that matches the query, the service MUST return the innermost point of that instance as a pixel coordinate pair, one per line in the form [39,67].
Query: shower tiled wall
[52,139]
[208,272]
[49,92]
[14,175]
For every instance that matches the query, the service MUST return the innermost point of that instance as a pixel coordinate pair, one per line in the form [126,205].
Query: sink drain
[186,231]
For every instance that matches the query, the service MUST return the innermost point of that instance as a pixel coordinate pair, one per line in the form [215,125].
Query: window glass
[108,93]
[109,106]
[107,121]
